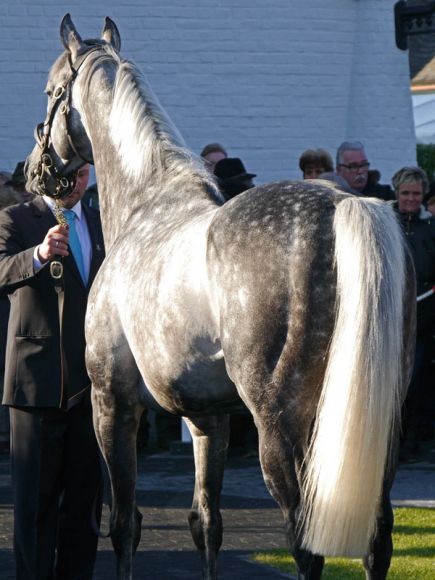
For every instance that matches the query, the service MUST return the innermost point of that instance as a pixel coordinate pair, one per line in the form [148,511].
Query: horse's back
[278,217]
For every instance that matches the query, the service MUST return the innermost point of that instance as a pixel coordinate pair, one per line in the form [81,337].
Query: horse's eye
[48,92]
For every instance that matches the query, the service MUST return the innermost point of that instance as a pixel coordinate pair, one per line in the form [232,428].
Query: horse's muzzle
[43,178]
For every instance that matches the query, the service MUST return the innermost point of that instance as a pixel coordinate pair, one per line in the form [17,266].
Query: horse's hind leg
[210,441]
[117,412]
[377,561]
[278,462]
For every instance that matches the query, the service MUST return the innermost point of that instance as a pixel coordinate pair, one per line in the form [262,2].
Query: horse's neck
[123,188]
[126,205]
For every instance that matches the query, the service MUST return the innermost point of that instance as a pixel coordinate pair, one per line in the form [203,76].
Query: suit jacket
[33,373]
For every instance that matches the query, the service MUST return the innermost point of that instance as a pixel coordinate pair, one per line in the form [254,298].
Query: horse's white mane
[149,144]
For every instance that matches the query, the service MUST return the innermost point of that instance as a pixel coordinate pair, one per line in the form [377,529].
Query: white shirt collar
[77,208]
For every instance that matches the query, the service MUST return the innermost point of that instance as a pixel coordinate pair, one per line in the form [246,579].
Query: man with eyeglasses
[353,166]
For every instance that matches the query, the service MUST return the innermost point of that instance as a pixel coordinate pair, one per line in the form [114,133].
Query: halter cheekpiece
[46,168]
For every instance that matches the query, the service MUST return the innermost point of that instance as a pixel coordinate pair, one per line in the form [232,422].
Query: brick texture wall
[266,78]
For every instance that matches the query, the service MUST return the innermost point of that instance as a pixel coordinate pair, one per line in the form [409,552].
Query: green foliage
[413,557]
[426,159]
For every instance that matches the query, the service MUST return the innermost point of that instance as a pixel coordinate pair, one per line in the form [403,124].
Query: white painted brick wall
[266,78]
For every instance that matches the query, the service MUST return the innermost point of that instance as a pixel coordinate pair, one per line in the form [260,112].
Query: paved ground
[251,520]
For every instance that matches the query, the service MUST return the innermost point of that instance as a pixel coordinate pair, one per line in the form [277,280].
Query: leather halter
[46,169]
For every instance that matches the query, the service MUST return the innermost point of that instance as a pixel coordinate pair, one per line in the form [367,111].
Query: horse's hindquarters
[275,288]
[270,262]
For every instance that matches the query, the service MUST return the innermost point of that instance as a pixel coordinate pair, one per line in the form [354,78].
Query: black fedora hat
[18,178]
[231,169]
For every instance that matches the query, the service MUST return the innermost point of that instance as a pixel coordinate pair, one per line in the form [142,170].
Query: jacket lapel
[44,213]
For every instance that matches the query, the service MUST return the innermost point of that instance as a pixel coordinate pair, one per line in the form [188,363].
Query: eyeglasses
[355,167]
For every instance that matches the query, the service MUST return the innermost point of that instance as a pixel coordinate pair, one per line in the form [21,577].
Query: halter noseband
[46,168]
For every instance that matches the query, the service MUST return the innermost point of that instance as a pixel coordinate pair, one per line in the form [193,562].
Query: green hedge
[426,159]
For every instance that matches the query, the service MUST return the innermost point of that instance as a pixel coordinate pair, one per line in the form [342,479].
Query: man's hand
[55,244]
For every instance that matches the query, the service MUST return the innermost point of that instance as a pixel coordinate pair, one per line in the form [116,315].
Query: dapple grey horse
[295,298]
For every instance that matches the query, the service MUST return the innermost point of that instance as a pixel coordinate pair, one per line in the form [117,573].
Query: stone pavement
[252,521]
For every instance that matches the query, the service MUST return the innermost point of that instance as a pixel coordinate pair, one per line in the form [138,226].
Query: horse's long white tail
[360,401]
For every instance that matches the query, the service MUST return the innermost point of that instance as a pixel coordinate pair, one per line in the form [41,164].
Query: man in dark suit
[54,455]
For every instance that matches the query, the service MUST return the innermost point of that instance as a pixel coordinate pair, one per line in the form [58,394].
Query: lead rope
[426,294]
[56,271]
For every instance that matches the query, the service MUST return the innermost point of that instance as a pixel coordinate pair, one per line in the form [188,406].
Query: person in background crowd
[430,203]
[8,196]
[313,162]
[212,153]
[18,182]
[233,177]
[410,184]
[373,178]
[4,412]
[353,165]
[5,176]
[54,454]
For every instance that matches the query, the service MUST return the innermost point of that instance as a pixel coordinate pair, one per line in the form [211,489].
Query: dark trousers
[416,404]
[56,482]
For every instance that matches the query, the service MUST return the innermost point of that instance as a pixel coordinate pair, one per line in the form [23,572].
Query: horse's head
[62,145]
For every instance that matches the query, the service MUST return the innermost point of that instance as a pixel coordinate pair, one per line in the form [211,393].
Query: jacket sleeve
[16,260]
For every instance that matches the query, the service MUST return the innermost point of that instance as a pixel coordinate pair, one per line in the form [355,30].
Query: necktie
[74,242]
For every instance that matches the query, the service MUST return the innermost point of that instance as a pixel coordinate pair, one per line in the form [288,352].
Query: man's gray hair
[410,175]
[348,146]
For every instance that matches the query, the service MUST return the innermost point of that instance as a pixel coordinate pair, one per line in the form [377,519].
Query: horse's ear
[111,34]
[71,39]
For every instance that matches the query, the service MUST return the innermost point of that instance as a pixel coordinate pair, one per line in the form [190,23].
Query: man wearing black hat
[18,182]
[233,177]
